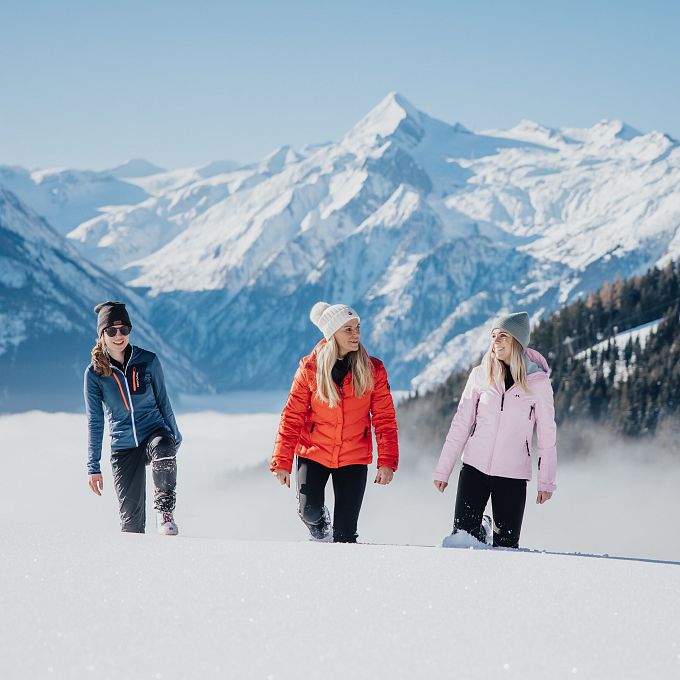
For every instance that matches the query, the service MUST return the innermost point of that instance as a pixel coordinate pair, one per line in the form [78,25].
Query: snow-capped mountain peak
[613,129]
[279,158]
[135,167]
[428,228]
[393,115]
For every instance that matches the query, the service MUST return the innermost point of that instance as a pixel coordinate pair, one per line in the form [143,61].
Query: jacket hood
[536,362]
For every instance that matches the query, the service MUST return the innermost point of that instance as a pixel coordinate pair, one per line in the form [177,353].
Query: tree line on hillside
[631,390]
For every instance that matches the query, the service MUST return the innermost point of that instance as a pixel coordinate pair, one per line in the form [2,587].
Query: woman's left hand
[385,474]
[543,496]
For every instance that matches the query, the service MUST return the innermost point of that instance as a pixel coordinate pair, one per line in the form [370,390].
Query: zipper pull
[502,400]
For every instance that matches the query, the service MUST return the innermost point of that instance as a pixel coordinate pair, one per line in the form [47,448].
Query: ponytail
[100,358]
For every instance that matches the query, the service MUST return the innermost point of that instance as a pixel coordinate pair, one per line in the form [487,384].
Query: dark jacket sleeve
[162,399]
[292,420]
[92,391]
[384,419]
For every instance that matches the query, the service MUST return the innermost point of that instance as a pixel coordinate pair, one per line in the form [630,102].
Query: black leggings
[349,484]
[129,478]
[508,498]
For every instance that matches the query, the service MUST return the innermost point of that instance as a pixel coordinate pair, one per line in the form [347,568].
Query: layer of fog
[620,500]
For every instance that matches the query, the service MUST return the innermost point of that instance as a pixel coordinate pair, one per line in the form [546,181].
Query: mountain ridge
[428,228]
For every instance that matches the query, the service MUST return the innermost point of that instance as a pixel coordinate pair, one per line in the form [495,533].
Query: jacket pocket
[527,445]
[137,378]
[365,432]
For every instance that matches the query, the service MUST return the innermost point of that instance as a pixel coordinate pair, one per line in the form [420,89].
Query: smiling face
[348,337]
[116,345]
[501,343]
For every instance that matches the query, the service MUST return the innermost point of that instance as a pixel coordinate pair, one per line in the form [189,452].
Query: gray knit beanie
[517,325]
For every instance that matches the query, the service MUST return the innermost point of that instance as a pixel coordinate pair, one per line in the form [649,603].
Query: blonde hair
[494,367]
[100,358]
[359,364]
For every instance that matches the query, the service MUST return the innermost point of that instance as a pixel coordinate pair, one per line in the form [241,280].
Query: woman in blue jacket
[127,384]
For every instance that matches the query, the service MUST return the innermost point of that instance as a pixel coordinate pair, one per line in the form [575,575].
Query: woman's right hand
[283,477]
[96,483]
[439,485]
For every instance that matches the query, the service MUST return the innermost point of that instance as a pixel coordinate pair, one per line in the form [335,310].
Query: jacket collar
[127,355]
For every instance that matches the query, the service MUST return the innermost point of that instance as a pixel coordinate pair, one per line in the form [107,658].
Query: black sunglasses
[112,331]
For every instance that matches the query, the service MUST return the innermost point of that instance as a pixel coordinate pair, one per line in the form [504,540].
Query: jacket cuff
[546,486]
[440,477]
[389,462]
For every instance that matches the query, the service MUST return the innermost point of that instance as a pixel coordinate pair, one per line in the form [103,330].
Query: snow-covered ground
[242,594]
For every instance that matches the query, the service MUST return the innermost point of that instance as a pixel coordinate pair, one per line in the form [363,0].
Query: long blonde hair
[494,367]
[100,358]
[359,364]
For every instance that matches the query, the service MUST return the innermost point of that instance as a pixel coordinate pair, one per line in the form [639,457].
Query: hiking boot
[323,531]
[165,524]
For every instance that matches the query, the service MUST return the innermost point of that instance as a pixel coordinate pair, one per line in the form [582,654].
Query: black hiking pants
[508,498]
[349,485]
[129,478]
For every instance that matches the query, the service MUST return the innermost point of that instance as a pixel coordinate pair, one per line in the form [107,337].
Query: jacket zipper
[495,436]
[132,408]
[528,452]
[531,410]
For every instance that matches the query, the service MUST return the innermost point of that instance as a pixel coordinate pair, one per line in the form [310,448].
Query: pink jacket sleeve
[458,432]
[546,438]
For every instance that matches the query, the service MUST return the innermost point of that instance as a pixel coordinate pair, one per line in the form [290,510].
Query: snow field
[81,604]
[80,600]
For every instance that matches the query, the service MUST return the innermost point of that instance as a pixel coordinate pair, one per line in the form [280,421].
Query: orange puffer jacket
[338,436]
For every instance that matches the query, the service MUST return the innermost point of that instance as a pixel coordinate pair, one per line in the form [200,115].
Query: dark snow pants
[129,478]
[508,498]
[349,485]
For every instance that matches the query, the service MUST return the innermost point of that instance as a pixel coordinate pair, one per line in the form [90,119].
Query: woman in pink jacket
[505,399]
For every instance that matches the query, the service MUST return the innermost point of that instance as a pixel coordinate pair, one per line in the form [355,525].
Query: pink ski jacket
[495,427]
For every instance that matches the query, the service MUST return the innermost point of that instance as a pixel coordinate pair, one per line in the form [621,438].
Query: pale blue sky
[91,84]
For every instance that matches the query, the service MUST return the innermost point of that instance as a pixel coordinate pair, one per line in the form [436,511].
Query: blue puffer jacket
[135,402]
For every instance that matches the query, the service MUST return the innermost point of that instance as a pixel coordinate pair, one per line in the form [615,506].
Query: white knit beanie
[330,318]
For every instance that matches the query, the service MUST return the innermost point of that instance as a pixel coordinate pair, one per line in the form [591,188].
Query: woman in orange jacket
[337,393]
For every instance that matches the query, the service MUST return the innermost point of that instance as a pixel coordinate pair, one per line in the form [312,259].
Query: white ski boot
[165,524]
